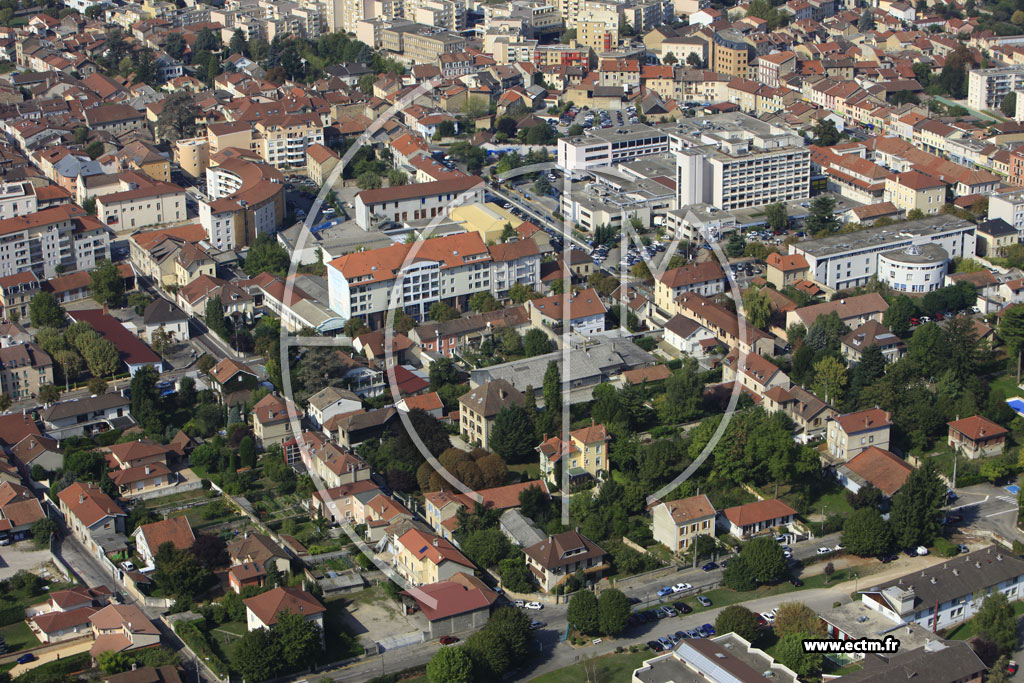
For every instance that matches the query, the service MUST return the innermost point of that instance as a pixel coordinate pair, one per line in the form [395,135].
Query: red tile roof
[175,530]
[433,548]
[705,271]
[88,503]
[882,469]
[266,606]
[686,510]
[130,348]
[383,264]
[761,511]
[459,595]
[977,428]
[873,418]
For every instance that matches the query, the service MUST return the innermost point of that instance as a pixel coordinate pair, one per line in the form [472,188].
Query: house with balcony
[556,558]
[977,437]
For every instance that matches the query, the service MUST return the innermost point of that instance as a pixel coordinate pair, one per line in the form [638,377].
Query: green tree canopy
[612,611]
[450,665]
[739,620]
[583,613]
[916,516]
[997,622]
[866,534]
[765,558]
[45,311]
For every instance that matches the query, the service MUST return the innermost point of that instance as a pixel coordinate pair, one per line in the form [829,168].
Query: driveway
[44,656]
[373,618]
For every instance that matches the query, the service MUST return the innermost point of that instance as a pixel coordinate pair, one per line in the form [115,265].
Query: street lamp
[823,508]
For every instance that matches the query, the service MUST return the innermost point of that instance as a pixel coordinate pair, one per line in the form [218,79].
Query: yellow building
[915,190]
[486,219]
[585,454]
[191,262]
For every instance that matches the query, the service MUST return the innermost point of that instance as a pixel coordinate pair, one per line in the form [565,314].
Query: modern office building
[604,147]
[851,260]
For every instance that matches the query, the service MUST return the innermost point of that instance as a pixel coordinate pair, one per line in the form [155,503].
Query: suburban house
[19,510]
[442,506]
[848,435]
[583,310]
[272,420]
[259,549]
[430,403]
[808,412]
[744,521]
[785,270]
[345,503]
[117,628]
[379,513]
[705,278]
[337,466]
[140,467]
[874,467]
[558,557]
[853,310]
[331,401]
[234,382]
[754,373]
[461,603]
[677,523]
[261,611]
[246,574]
[75,418]
[163,317]
[93,517]
[872,333]
[65,615]
[354,428]
[149,537]
[586,454]
[977,437]
[950,593]
[479,407]
[689,337]
[423,558]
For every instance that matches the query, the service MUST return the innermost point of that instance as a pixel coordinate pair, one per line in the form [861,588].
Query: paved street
[989,508]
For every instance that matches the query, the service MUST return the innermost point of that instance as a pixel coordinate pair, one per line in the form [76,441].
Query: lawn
[618,667]
[834,501]
[531,470]
[19,636]
[966,629]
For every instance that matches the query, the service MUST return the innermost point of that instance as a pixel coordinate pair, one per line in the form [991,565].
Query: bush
[945,547]
[11,613]
[196,639]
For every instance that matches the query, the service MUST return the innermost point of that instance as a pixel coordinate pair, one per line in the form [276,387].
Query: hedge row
[196,639]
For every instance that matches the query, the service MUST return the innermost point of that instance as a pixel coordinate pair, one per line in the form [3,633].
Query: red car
[448,640]
[1011,667]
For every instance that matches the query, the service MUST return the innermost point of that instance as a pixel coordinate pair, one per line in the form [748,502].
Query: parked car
[886,559]
[1011,667]
[519,603]
[824,551]
[682,607]
[708,630]
[706,602]
[910,552]
[533,605]
[534,625]
[680,587]
[128,566]
[767,616]
[963,549]
[710,566]
[669,612]
[655,645]
[448,640]
[667,590]
[26,658]
[666,643]
[796,582]
[921,550]
[633,601]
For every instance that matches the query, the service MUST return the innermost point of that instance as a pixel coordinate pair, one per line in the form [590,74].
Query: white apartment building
[17,199]
[604,147]
[62,236]
[1008,206]
[416,201]
[735,161]
[851,260]
[987,88]
[142,206]
[919,268]
[246,198]
[449,269]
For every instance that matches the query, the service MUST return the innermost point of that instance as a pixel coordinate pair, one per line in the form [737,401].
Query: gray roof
[329,396]
[162,311]
[937,662]
[520,528]
[921,229]
[607,358]
[80,406]
[959,577]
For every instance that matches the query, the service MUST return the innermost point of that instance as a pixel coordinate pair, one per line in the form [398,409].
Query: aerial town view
[458,341]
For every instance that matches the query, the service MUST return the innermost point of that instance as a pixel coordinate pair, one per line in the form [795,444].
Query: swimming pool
[1017,404]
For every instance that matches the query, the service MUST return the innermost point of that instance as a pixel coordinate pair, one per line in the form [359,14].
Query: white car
[519,603]
[127,566]
[824,551]
[921,550]
[680,587]
[533,605]
[768,616]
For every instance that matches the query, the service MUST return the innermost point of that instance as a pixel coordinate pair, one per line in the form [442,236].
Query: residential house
[705,278]
[872,333]
[586,455]
[583,310]
[678,523]
[345,504]
[751,519]
[246,574]
[977,437]
[442,507]
[35,450]
[191,262]
[15,293]
[849,434]
[430,403]
[24,370]
[423,558]
[461,603]
[120,628]
[234,382]
[754,373]
[785,270]
[65,615]
[93,517]
[163,317]
[874,467]
[259,549]
[329,402]
[556,558]
[853,310]
[354,428]
[149,537]
[479,407]
[85,415]
[688,337]
[261,611]
[272,419]
[808,412]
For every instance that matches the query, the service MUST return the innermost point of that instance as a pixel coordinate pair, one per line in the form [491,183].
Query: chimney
[435,542]
[147,469]
[81,498]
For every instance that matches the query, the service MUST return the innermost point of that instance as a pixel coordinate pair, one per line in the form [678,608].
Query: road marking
[1002,513]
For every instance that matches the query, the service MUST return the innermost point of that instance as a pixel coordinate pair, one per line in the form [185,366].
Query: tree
[247,452]
[542,185]
[483,302]
[397,178]
[738,575]
[756,307]
[512,436]
[735,245]
[71,364]
[178,117]
[996,622]
[953,77]
[829,380]
[739,620]
[822,218]
[266,255]
[42,530]
[612,612]
[765,558]
[114,662]
[238,45]
[102,358]
[916,516]
[583,613]
[486,547]
[825,133]
[44,311]
[207,41]
[776,216]
[867,22]
[683,391]
[443,372]
[145,399]
[5,402]
[107,286]
[790,651]
[536,343]
[211,551]
[552,391]
[48,393]
[442,312]
[514,574]
[866,534]
[368,181]
[897,318]
[1011,331]
[450,665]
[256,655]
[298,641]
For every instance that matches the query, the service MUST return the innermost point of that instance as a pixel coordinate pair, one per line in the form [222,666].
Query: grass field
[19,636]
[607,668]
[966,629]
